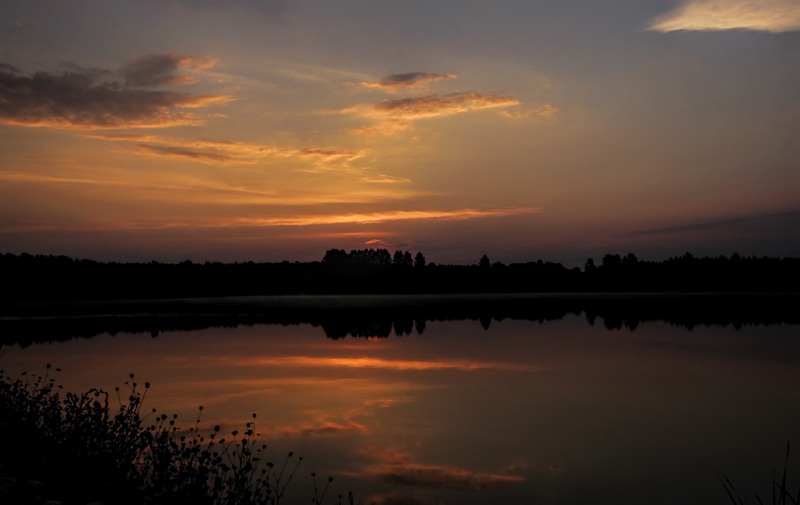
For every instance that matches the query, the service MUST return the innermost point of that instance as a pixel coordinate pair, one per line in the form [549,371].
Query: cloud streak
[546,111]
[396,113]
[388,127]
[717,225]
[81,99]
[431,106]
[227,152]
[395,82]
[381,217]
[714,15]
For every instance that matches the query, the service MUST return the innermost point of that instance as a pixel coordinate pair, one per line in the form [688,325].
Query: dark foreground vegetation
[78,449]
[781,494]
[41,278]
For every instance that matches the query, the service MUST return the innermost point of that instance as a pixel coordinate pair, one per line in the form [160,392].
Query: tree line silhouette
[381,317]
[377,271]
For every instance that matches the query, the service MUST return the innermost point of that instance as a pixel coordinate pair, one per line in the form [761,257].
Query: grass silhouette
[77,448]
[781,495]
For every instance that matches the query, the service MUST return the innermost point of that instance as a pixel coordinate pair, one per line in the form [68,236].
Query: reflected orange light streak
[319,428]
[435,476]
[313,361]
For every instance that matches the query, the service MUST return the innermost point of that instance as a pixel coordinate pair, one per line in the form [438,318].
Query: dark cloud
[158,69]
[409,80]
[179,152]
[4,67]
[442,477]
[81,99]
[715,225]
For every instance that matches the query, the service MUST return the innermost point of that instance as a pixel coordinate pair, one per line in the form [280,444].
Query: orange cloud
[222,152]
[388,127]
[313,361]
[380,217]
[710,15]
[396,113]
[410,80]
[441,477]
[547,110]
[383,178]
[80,99]
[431,106]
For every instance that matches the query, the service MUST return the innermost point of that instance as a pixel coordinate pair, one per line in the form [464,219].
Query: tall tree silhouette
[419,260]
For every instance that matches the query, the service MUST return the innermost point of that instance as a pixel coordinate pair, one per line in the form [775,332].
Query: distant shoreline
[29,278]
[381,315]
[346,301]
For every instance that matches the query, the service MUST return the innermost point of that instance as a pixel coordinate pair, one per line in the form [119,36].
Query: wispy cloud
[395,114]
[380,217]
[395,82]
[388,127]
[546,110]
[384,179]
[431,106]
[762,15]
[225,152]
[188,189]
[82,99]
[326,362]
[716,225]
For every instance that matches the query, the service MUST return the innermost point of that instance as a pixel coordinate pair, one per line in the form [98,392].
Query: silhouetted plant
[73,437]
[781,495]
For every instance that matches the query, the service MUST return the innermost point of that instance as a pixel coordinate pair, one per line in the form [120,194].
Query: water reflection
[380,316]
[521,412]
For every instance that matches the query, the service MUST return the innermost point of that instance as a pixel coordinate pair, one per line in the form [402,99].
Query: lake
[459,409]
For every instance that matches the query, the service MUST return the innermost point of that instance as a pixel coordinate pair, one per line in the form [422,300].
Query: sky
[270,130]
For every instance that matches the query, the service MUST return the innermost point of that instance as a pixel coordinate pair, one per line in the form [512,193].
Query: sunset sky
[231,130]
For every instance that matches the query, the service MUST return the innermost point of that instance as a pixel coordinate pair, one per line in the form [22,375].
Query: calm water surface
[522,412]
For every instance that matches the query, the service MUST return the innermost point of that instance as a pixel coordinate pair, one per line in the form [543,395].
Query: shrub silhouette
[63,440]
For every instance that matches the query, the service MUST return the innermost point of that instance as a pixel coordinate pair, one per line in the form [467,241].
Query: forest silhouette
[382,316]
[377,271]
